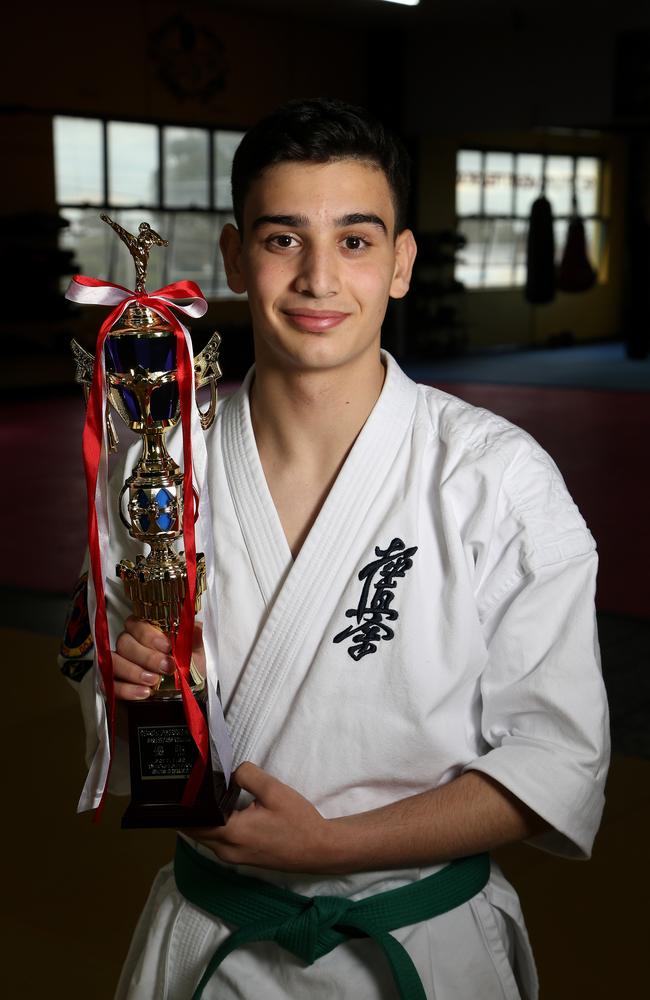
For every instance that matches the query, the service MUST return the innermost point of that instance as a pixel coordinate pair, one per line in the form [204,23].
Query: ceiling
[606,14]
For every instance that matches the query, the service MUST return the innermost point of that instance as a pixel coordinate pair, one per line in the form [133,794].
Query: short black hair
[319,130]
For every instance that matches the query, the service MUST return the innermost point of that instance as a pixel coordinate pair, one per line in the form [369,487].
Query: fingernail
[148,678]
[167,666]
[162,643]
[142,693]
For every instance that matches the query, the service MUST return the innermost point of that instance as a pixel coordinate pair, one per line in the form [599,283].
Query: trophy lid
[141,321]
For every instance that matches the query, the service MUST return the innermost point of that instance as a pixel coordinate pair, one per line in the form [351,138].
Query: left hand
[280,830]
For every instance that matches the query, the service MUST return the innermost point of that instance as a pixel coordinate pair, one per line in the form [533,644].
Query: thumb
[255,780]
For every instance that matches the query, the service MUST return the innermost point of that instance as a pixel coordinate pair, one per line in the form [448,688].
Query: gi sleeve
[76,658]
[544,710]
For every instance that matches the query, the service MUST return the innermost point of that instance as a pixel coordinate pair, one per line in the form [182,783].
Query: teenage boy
[407,650]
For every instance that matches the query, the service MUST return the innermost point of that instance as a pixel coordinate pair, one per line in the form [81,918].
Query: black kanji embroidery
[370,628]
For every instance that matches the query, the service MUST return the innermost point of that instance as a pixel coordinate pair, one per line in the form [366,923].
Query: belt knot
[300,933]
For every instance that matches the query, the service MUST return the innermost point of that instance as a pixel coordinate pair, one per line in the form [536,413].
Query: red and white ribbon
[185,297]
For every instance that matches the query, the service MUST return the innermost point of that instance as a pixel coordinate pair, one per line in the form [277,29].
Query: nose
[318,275]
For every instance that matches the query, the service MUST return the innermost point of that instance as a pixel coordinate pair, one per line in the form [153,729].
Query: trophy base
[162,754]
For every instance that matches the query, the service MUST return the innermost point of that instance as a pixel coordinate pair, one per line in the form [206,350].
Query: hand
[143,655]
[280,830]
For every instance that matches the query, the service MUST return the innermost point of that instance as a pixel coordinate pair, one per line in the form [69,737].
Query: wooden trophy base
[162,754]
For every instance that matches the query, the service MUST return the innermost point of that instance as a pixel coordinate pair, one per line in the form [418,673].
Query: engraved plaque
[165,752]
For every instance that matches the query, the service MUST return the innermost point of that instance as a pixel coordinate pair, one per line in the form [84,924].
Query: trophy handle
[85,364]
[207,416]
[206,372]
[111,433]
[127,524]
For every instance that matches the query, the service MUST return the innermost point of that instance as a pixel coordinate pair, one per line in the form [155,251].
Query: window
[494,195]
[175,178]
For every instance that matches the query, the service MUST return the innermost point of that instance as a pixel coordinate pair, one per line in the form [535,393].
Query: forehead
[321,191]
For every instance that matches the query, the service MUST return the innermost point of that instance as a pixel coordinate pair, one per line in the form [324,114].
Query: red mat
[599,439]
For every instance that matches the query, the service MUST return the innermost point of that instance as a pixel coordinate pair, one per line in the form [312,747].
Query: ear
[405,251]
[230,244]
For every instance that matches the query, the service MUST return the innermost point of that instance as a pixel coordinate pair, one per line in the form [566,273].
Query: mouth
[314,320]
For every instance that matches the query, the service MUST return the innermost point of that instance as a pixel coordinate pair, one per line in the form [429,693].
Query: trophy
[141,386]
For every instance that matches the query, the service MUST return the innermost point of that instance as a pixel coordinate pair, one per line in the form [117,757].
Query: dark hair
[319,130]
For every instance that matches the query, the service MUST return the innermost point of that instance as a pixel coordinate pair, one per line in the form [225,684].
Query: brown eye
[353,242]
[282,241]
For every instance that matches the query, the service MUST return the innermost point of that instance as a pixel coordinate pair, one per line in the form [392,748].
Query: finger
[131,683]
[148,659]
[147,634]
[131,692]
[130,673]
[258,782]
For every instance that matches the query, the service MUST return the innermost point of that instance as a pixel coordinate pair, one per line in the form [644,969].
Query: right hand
[142,654]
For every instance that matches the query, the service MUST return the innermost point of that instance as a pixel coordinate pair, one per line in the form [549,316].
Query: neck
[313,416]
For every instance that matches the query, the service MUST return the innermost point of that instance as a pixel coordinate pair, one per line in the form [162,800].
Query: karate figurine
[138,246]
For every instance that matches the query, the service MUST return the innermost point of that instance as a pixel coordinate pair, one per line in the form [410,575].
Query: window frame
[600,216]
[221,215]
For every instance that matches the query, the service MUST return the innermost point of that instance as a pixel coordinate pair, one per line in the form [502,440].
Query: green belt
[311,926]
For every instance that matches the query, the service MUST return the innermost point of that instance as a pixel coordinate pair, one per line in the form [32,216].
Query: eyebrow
[292,221]
[359,218]
[301,221]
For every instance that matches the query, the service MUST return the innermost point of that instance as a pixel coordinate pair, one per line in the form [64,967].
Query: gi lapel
[303,595]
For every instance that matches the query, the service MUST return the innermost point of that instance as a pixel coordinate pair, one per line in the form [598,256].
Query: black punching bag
[576,273]
[540,254]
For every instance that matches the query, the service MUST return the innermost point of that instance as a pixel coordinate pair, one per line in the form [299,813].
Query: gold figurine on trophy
[138,246]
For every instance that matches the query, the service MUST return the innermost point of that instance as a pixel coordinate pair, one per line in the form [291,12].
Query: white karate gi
[490,664]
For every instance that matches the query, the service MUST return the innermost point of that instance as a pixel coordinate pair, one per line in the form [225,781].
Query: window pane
[519,236]
[225,144]
[132,164]
[78,160]
[192,246]
[528,182]
[587,184]
[560,229]
[559,175]
[186,167]
[468,182]
[498,183]
[594,235]
[469,263]
[90,238]
[502,248]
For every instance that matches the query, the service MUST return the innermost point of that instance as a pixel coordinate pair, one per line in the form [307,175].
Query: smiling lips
[314,320]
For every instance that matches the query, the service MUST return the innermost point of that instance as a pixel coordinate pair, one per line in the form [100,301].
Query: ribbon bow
[185,297]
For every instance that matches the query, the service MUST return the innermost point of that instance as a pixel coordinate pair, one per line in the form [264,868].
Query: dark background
[563,76]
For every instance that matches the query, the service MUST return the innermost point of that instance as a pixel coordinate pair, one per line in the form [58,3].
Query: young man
[407,651]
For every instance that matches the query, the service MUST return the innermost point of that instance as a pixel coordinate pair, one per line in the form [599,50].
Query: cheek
[266,282]
[372,289]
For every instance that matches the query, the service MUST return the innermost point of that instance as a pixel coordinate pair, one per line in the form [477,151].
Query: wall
[136,60]
[496,79]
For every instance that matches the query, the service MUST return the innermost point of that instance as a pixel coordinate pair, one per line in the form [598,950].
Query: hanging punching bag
[540,254]
[576,273]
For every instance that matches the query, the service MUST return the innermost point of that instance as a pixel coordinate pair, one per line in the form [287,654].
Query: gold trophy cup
[141,386]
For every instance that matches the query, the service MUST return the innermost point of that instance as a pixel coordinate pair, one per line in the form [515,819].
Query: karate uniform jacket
[438,618]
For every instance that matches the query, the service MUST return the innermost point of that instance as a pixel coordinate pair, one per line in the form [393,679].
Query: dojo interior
[497,103]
